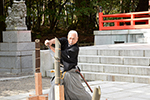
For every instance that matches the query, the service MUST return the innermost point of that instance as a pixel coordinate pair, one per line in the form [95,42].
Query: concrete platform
[122,46]
[121,36]
[109,91]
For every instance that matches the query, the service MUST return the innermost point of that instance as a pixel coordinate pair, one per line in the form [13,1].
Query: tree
[86,11]
[143,5]
[2,18]
[50,16]
[56,12]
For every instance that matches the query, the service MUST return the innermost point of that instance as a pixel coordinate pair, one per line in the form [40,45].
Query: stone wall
[46,62]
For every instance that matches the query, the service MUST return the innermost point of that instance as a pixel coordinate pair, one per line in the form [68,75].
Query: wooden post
[38,83]
[116,24]
[96,94]
[132,20]
[37,55]
[100,19]
[59,89]
[38,76]
[59,92]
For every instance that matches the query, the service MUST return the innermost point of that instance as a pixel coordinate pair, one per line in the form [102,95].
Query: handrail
[131,20]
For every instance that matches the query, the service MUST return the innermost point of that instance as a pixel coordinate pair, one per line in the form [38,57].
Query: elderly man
[74,90]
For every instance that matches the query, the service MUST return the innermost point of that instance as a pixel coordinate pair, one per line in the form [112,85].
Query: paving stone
[132,98]
[109,90]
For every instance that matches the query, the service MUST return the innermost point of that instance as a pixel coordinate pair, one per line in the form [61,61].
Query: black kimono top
[69,54]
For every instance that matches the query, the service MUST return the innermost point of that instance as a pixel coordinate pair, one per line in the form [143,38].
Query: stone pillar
[16,48]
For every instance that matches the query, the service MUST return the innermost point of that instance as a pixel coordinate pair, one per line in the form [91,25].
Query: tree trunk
[28,18]
[53,20]
[2,24]
[43,16]
[38,15]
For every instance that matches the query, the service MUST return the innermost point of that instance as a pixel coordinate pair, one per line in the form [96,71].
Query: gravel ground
[25,85]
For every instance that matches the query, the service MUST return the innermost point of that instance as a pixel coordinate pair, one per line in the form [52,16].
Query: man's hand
[46,42]
[49,44]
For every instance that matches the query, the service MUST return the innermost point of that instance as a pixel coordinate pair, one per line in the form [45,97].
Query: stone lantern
[16,49]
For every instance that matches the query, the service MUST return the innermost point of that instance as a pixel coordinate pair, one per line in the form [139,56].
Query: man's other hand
[46,42]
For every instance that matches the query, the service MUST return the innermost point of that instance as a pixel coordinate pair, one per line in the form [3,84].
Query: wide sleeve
[62,40]
[70,54]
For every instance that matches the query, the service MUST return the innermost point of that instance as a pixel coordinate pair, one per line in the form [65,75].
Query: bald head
[72,37]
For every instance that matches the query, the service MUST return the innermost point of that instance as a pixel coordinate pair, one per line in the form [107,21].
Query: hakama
[73,88]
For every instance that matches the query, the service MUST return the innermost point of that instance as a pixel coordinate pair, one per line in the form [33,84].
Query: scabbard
[84,80]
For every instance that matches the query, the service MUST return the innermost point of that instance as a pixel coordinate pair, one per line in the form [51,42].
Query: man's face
[72,38]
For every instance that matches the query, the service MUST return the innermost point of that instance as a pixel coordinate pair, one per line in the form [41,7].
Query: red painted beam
[131,18]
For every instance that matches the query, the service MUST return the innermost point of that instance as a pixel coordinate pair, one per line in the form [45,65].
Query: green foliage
[2,18]
[38,36]
[86,8]
[50,16]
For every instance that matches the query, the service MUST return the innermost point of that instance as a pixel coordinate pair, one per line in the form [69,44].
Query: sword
[51,52]
[84,80]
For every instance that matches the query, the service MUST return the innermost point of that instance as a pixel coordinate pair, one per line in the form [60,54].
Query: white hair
[73,31]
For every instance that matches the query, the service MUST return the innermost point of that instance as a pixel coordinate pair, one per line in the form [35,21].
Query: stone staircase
[119,62]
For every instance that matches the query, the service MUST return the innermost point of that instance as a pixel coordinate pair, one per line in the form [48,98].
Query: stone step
[95,76]
[120,60]
[135,52]
[118,69]
[90,76]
